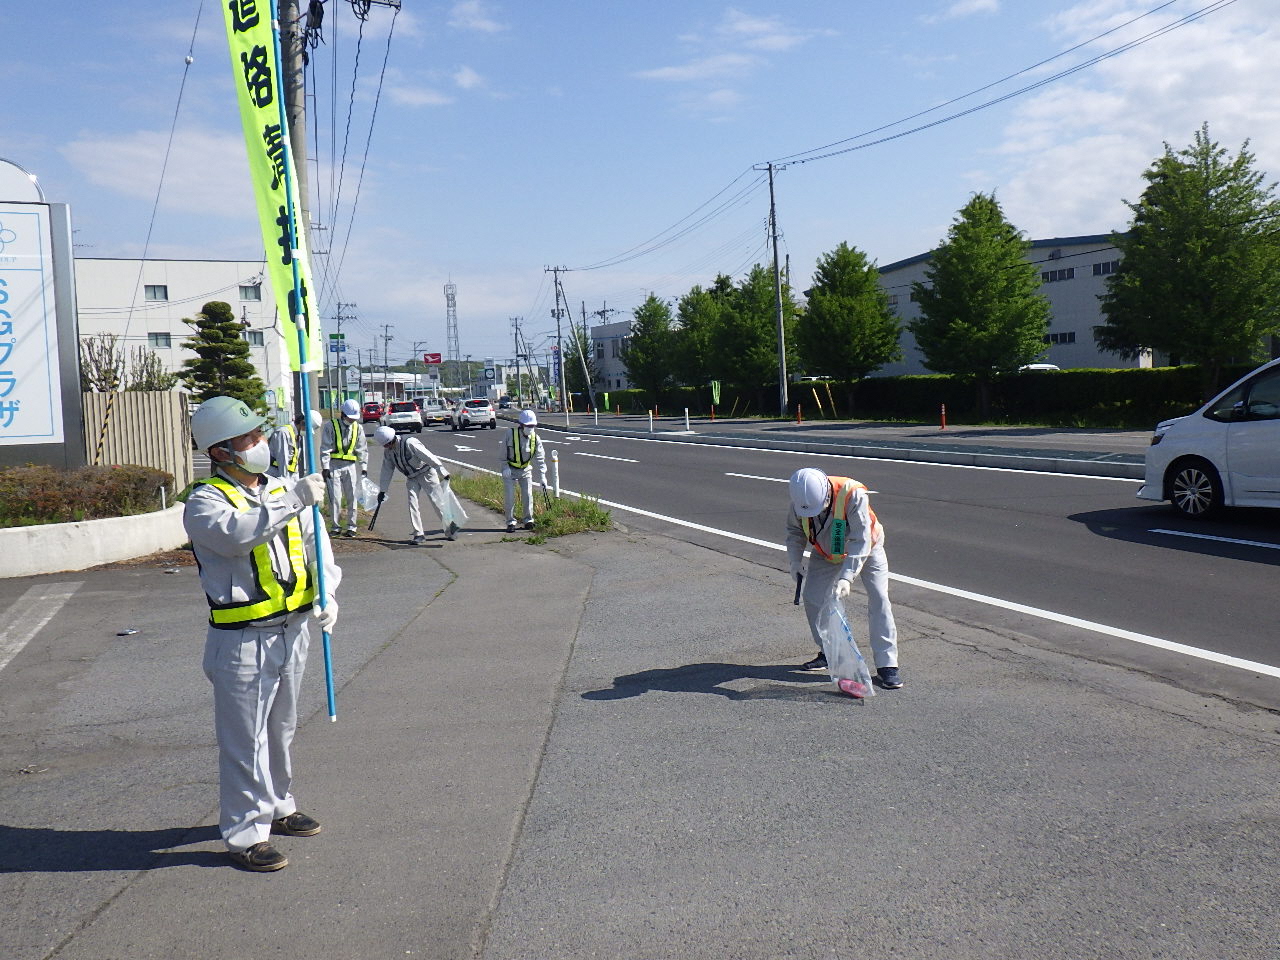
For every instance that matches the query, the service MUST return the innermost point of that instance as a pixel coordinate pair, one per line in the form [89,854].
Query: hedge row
[1134,399]
[40,494]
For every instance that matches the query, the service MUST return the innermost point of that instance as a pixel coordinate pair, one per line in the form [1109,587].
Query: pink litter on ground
[853,688]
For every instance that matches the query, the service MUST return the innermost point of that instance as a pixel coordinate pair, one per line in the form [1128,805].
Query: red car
[372,412]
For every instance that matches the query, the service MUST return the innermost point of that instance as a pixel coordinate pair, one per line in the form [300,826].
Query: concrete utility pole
[386,339]
[777,295]
[559,313]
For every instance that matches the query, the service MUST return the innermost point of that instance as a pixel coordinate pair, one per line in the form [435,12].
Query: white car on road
[403,415]
[476,412]
[1226,454]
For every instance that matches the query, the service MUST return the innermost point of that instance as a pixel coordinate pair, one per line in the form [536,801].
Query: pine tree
[981,313]
[221,366]
[848,330]
[1200,274]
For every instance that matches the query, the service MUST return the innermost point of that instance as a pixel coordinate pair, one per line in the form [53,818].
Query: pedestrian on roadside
[422,471]
[287,446]
[256,547]
[344,461]
[832,517]
[521,450]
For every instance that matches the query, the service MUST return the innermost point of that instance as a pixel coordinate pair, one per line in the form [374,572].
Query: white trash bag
[848,670]
[368,494]
[452,516]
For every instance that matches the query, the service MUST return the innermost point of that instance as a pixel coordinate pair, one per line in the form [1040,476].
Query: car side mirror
[1239,410]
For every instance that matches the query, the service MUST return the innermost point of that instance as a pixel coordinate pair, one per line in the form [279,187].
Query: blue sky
[510,136]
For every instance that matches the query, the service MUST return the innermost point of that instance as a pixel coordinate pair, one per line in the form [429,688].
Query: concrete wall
[56,547]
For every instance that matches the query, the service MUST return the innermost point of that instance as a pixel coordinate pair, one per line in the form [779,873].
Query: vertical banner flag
[253,64]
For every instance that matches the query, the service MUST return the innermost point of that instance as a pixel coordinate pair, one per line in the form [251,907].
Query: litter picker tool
[374,518]
[799,584]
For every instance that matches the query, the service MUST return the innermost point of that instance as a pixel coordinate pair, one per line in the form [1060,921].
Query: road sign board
[337,346]
[431,358]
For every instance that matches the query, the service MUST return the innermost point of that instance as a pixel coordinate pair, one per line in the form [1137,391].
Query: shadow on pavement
[708,677]
[45,850]
[1247,527]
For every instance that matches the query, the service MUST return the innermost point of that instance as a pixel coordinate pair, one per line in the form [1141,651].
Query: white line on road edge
[748,476]
[29,614]
[601,456]
[1205,536]
[1116,632]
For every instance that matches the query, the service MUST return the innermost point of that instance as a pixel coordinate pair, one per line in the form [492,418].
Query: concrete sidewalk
[600,748]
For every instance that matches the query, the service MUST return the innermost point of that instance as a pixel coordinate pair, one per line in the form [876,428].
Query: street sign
[337,346]
[489,374]
[431,358]
[353,374]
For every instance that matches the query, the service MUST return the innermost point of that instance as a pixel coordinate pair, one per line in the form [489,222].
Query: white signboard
[30,390]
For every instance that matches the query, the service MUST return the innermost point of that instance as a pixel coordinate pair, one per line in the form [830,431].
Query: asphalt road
[1066,546]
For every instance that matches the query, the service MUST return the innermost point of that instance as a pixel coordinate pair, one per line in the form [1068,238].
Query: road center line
[1205,536]
[28,615]
[601,456]
[748,476]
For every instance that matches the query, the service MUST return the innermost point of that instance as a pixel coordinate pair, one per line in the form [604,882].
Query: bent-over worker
[422,469]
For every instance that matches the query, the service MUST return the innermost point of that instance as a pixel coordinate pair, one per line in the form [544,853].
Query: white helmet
[350,409]
[316,419]
[221,418]
[528,418]
[809,489]
[383,435]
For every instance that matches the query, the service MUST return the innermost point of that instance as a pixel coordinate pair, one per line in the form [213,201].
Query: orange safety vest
[842,489]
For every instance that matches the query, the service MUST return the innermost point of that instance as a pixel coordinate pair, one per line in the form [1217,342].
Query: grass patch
[33,495]
[554,517]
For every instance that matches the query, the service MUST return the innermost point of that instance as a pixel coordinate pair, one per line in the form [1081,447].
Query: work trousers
[820,582]
[344,482]
[420,485]
[524,477]
[256,673]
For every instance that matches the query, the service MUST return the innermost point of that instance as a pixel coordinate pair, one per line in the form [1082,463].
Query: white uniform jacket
[411,457]
[328,442]
[516,446]
[863,533]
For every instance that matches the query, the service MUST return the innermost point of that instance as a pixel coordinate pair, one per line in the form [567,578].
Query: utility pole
[777,294]
[558,313]
[586,371]
[386,339]
[340,360]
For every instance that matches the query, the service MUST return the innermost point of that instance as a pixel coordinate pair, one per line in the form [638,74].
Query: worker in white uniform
[288,446]
[833,519]
[421,468]
[521,450]
[256,546]
[344,460]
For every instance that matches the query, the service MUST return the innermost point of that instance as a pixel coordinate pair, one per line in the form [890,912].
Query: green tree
[848,330]
[981,313]
[1199,277]
[577,350]
[647,357]
[700,312]
[745,341]
[221,365]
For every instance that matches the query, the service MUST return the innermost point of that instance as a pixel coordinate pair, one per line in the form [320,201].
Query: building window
[1060,338]
[156,291]
[254,337]
[159,340]
[599,349]
[1053,276]
[893,299]
[252,291]
[1105,268]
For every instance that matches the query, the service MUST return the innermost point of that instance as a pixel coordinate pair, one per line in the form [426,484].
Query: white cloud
[467,79]
[415,96]
[1075,152]
[759,33]
[474,15]
[707,68]
[963,8]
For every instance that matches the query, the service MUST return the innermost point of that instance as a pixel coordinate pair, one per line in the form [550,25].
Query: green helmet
[221,418]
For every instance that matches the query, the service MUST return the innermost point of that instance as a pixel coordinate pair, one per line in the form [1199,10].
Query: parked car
[1226,454]
[372,412]
[403,416]
[476,412]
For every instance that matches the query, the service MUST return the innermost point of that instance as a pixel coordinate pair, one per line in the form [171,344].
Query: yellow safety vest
[270,597]
[347,450]
[292,465]
[842,489]
[516,463]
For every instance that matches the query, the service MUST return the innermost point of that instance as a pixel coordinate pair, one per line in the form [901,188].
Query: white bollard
[651,421]
[596,414]
[686,419]
[555,472]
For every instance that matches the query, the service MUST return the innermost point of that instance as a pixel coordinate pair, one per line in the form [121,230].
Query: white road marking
[1205,536]
[601,456]
[748,476]
[462,449]
[29,614]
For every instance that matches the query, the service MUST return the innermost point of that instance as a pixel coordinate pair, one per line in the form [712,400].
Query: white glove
[544,481]
[842,589]
[328,616]
[310,489]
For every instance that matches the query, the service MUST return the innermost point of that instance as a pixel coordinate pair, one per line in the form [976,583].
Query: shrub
[41,494]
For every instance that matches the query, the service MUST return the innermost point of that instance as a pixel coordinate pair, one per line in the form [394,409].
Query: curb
[60,547]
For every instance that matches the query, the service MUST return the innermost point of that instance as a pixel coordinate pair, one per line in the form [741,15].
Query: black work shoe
[888,678]
[349,533]
[528,524]
[817,663]
[511,528]
[296,824]
[419,538]
[260,858]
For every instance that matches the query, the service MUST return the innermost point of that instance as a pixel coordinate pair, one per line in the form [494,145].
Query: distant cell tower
[451,329]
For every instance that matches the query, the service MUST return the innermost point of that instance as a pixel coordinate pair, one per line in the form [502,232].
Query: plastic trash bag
[848,670]
[368,494]
[447,505]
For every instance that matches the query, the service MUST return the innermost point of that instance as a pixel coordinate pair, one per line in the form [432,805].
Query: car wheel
[1195,489]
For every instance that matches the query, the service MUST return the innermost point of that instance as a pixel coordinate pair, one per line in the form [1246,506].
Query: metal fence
[146,428]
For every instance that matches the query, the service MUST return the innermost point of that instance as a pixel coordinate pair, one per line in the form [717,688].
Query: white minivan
[1226,454]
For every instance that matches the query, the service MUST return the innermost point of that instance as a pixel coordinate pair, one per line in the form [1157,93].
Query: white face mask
[526,430]
[256,459]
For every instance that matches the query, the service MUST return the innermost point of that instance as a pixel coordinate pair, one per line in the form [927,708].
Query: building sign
[30,388]
[430,358]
